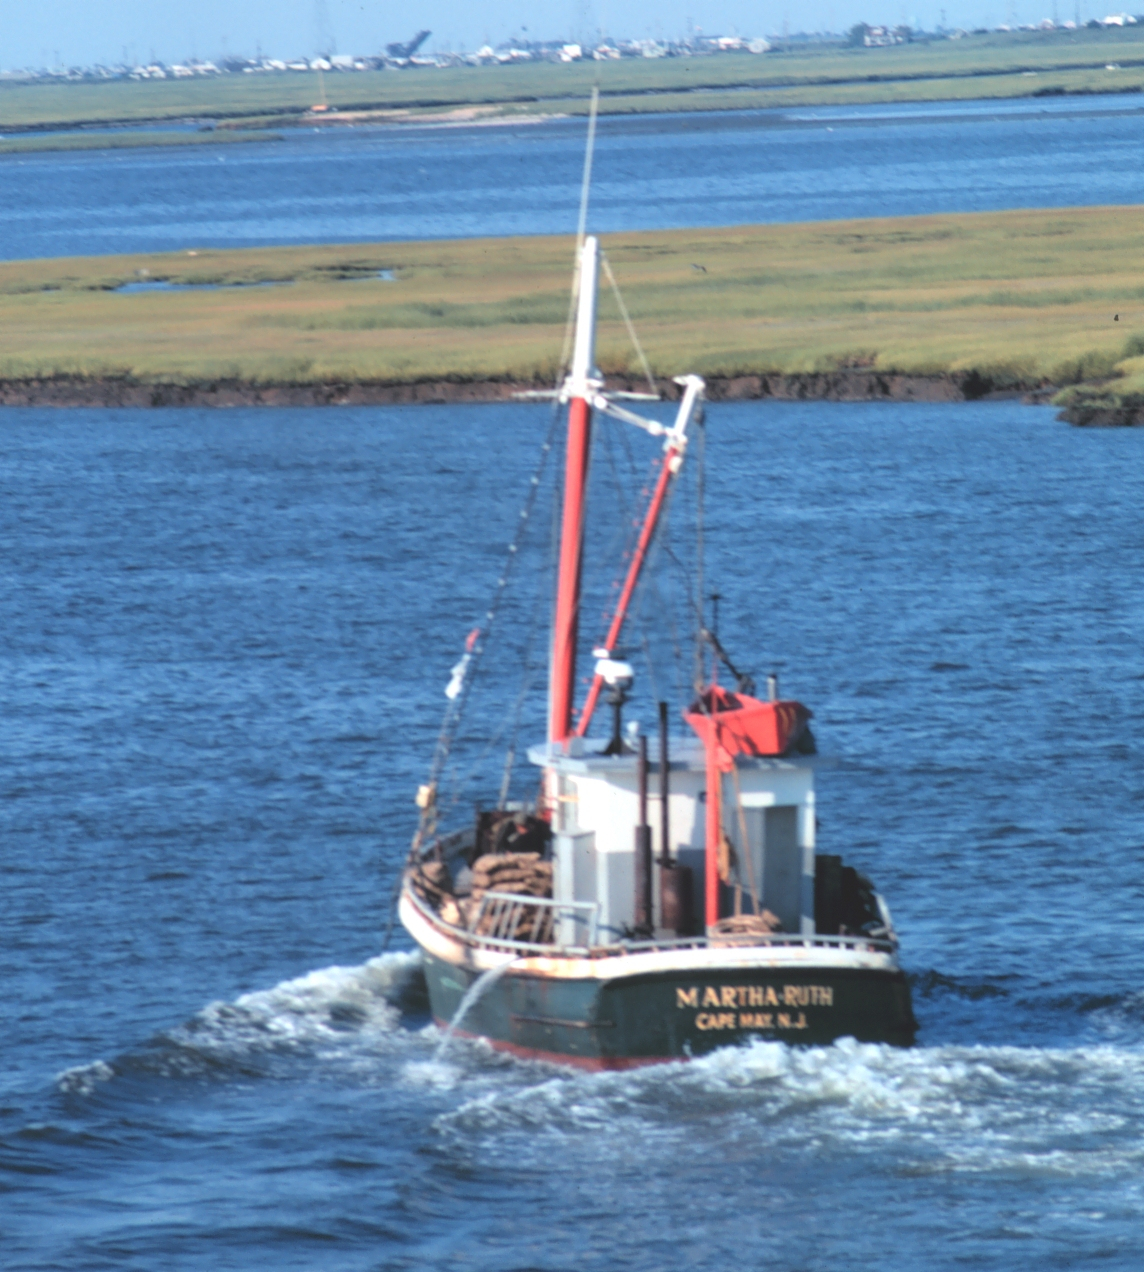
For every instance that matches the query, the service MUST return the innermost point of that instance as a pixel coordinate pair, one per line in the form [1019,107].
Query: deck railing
[502,906]
[504,916]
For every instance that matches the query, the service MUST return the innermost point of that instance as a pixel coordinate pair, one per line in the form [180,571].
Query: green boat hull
[671,1015]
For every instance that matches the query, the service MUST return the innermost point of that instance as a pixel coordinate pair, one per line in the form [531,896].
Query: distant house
[878,37]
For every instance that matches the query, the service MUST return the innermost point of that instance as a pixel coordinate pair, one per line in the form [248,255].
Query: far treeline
[990,301]
[993,65]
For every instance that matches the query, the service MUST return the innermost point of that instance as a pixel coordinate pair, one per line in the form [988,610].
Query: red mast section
[634,569]
[674,448]
[580,387]
[583,390]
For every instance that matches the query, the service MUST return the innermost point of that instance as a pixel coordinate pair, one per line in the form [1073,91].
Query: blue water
[225,640]
[339,185]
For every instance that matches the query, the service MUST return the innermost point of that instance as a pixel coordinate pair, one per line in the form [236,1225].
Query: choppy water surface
[225,637]
[654,172]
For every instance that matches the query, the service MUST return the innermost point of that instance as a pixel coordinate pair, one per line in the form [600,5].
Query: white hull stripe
[437,941]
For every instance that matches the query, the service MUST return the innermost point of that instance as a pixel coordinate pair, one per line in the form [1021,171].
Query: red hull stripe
[594,1064]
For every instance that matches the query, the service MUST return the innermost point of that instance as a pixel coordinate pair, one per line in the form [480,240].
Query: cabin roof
[687,756]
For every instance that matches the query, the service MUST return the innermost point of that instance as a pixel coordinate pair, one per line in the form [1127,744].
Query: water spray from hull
[483,982]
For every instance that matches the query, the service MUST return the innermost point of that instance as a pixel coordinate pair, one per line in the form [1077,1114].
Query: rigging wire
[649,588]
[690,584]
[700,492]
[511,716]
[747,854]
[465,673]
[623,536]
[527,682]
[628,323]
[668,610]
[694,602]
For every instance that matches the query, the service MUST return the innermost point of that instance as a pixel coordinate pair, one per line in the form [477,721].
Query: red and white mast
[581,386]
[674,447]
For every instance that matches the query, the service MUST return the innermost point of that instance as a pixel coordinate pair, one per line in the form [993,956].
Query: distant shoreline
[980,67]
[845,385]
[155,131]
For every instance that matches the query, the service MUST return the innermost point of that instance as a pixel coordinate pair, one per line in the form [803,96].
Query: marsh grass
[1022,297]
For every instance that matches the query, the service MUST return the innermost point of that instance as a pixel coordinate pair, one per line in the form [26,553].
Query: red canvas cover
[746,726]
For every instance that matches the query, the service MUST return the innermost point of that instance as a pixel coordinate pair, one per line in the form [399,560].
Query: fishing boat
[659,898]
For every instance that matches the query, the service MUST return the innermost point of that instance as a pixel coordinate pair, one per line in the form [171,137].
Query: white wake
[334,1010]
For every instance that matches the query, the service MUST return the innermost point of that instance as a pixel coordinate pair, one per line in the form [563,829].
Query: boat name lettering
[751,1020]
[736,996]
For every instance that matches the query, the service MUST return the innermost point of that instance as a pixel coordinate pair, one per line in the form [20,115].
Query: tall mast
[580,386]
[674,448]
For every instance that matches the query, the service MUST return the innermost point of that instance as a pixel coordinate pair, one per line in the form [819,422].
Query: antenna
[586,181]
[581,232]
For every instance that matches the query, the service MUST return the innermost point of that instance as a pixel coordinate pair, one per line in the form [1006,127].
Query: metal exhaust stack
[644,920]
[674,879]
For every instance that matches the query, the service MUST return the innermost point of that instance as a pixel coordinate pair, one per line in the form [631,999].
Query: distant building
[878,37]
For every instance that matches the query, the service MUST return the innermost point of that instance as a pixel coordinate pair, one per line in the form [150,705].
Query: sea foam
[1030,1110]
[331,1011]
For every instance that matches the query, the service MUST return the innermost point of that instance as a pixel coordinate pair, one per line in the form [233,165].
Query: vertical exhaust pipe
[644,920]
[674,879]
[664,778]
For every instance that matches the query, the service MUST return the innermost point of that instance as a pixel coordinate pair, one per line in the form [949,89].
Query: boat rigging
[604,953]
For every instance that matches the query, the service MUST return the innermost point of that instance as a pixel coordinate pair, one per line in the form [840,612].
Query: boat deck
[781,947]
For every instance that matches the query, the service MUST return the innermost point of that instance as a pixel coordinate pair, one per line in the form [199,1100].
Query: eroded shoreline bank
[1041,304]
[845,385]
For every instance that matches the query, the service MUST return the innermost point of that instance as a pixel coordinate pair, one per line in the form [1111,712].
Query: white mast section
[584,380]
